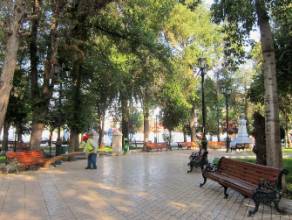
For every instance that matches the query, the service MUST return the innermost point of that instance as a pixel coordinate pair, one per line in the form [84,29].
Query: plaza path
[137,186]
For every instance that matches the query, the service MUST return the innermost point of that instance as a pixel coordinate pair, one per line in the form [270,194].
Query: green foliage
[174,105]
[135,120]
[18,111]
[228,10]
[147,51]
[192,35]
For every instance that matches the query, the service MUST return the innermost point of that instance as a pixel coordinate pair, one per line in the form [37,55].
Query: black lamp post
[156,139]
[203,65]
[226,92]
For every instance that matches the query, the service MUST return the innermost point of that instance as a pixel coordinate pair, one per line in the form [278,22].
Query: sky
[208,2]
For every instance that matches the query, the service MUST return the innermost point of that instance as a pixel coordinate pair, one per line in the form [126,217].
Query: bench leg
[205,180]
[191,167]
[252,212]
[225,192]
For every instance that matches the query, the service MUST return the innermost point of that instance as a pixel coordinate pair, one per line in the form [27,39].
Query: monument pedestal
[117,142]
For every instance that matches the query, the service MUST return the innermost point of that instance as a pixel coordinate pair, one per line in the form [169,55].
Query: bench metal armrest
[266,186]
[209,167]
[279,180]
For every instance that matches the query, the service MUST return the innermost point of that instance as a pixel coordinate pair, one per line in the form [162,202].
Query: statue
[242,137]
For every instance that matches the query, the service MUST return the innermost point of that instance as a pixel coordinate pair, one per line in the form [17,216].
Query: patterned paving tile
[136,186]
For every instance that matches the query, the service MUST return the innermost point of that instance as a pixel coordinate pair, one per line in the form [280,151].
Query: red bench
[156,146]
[27,158]
[216,145]
[188,145]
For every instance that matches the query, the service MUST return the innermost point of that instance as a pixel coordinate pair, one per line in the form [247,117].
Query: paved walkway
[138,186]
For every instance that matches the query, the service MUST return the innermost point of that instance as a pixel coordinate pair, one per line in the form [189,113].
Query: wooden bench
[187,145]
[27,158]
[137,144]
[239,147]
[156,146]
[216,145]
[263,184]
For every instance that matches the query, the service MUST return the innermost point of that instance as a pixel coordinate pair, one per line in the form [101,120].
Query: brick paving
[136,186]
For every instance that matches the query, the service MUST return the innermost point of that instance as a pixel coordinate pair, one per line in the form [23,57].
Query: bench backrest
[252,173]
[10,155]
[26,157]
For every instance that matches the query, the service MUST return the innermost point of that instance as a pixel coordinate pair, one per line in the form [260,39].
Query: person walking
[90,150]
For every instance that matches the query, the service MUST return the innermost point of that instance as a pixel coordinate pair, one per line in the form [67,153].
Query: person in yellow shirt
[90,150]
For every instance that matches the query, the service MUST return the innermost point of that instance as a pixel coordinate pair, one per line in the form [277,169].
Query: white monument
[242,137]
[117,142]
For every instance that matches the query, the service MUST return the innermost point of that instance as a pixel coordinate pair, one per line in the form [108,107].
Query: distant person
[90,149]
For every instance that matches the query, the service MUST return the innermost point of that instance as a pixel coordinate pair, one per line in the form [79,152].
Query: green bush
[2,158]
[215,161]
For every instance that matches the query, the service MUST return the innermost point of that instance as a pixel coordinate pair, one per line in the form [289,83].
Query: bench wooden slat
[248,171]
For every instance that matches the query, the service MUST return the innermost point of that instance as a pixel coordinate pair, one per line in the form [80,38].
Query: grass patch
[287,150]
[106,149]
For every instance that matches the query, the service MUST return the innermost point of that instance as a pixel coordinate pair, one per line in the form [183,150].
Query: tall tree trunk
[272,128]
[33,52]
[246,108]
[40,110]
[146,122]
[5,136]
[287,135]
[260,139]
[185,135]
[125,118]
[217,106]
[37,126]
[36,135]
[101,129]
[50,138]
[193,121]
[74,140]
[218,118]
[75,130]
[10,60]
[170,138]
[19,133]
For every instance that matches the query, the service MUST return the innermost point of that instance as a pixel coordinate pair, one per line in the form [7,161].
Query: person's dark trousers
[88,162]
[93,160]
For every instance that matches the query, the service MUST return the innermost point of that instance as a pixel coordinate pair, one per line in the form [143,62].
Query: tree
[18,108]
[260,138]
[42,94]
[175,107]
[135,120]
[243,14]
[68,28]
[12,43]
[191,35]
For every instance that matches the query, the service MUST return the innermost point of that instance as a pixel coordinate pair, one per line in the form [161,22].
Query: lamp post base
[204,143]
[227,144]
